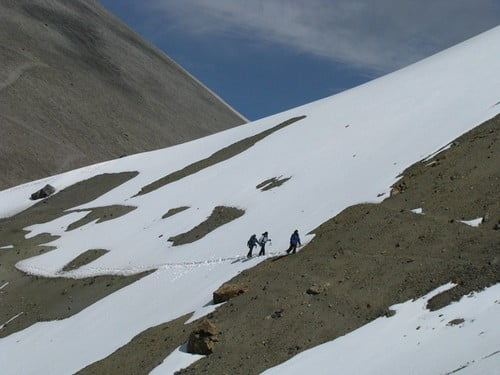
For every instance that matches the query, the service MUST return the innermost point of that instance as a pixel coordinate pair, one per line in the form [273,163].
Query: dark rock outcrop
[43,192]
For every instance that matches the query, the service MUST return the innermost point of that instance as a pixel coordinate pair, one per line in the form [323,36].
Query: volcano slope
[77,86]
[362,261]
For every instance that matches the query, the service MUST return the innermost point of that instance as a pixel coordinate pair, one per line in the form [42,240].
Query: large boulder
[203,338]
[43,192]
[228,291]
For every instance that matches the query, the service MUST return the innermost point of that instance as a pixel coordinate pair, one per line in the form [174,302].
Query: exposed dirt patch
[85,258]
[272,183]
[145,351]
[101,214]
[217,157]
[456,322]
[174,211]
[41,299]
[220,215]
[373,256]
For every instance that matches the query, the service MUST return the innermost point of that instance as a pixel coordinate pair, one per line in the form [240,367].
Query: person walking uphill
[262,242]
[294,241]
[252,242]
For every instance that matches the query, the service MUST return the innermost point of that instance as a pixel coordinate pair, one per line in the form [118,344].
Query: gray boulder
[43,192]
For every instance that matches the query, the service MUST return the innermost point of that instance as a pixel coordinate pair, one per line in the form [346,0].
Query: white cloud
[376,35]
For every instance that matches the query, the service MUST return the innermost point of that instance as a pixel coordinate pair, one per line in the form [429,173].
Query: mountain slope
[364,260]
[329,155]
[368,258]
[77,87]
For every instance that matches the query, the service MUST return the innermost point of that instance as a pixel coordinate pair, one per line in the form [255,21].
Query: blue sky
[265,56]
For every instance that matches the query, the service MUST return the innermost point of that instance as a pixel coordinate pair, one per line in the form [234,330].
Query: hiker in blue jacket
[262,242]
[294,241]
[252,242]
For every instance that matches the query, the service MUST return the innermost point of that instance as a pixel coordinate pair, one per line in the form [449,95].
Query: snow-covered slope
[348,149]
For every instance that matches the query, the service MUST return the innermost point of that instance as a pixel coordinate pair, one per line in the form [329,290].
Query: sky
[266,56]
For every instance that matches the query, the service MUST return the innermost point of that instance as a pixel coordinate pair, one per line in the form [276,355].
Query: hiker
[294,241]
[262,242]
[252,242]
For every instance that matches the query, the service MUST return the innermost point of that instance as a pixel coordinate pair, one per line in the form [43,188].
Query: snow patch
[176,361]
[473,222]
[11,319]
[444,148]
[205,310]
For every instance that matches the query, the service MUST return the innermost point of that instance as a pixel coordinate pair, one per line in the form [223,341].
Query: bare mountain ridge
[77,87]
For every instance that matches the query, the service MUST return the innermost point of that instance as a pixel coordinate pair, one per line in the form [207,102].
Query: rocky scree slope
[77,86]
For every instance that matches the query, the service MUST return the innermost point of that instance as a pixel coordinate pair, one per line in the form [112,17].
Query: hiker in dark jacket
[294,241]
[262,242]
[252,242]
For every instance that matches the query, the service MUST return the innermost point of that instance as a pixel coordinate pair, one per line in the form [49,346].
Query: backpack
[252,241]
